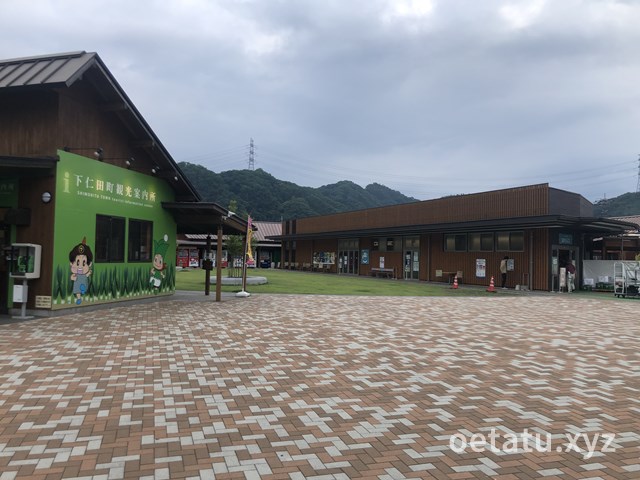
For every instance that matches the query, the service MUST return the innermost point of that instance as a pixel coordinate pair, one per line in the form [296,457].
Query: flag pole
[243,292]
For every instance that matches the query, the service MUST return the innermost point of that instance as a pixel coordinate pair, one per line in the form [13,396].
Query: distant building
[624,246]
[538,227]
[192,246]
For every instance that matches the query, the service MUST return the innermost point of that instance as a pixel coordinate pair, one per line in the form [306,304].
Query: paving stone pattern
[322,387]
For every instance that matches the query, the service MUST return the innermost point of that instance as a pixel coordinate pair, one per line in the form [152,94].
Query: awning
[603,226]
[19,167]
[204,218]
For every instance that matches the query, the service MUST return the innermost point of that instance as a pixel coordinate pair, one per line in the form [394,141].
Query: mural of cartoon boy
[160,248]
[80,260]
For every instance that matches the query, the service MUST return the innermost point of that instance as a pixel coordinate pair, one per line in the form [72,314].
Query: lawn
[284,281]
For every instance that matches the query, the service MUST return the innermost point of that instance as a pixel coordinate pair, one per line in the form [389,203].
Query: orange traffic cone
[492,287]
[455,282]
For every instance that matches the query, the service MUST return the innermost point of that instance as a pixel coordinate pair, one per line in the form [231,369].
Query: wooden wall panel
[304,252]
[515,202]
[28,122]
[391,260]
[83,123]
[532,261]
[541,271]
[41,227]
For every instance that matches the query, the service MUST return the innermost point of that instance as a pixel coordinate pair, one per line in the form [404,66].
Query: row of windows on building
[110,239]
[458,242]
[484,242]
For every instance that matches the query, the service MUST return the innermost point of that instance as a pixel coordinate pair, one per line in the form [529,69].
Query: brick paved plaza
[293,387]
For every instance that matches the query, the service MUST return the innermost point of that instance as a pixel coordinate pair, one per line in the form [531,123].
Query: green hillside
[623,205]
[270,199]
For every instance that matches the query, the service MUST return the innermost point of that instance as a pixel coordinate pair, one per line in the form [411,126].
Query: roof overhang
[205,218]
[585,224]
[19,167]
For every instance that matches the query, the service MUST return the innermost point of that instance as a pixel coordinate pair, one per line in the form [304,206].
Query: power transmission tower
[252,160]
[638,186]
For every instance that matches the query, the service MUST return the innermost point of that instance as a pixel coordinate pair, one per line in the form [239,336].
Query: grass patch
[285,281]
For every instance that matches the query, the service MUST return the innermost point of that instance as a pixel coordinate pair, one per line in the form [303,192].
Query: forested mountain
[269,199]
[625,204]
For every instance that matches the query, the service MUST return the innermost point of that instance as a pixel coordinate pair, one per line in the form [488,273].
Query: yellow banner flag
[250,260]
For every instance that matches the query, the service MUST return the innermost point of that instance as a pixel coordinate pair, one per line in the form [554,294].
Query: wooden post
[219,265]
[207,266]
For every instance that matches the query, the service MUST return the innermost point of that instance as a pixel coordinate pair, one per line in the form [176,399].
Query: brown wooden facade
[547,223]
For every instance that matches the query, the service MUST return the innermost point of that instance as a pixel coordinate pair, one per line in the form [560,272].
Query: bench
[451,275]
[383,272]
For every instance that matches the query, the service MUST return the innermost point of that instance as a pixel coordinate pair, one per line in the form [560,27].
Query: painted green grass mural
[111,282]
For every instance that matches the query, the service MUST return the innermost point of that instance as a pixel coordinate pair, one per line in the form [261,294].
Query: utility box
[25,260]
[20,293]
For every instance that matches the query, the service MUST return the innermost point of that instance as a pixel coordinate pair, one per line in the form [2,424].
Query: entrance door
[348,257]
[349,261]
[561,256]
[411,264]
[411,260]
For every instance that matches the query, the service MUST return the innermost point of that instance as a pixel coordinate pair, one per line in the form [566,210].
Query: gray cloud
[429,97]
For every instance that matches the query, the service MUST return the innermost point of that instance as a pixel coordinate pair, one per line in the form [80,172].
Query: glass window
[411,242]
[351,244]
[140,234]
[502,241]
[510,241]
[394,244]
[390,244]
[516,241]
[486,242]
[455,242]
[481,242]
[109,239]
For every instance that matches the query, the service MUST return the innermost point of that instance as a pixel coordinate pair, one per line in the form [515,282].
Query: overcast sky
[429,97]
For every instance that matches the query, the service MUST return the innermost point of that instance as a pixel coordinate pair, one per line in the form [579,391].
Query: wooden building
[80,167]
[266,252]
[538,227]
[625,246]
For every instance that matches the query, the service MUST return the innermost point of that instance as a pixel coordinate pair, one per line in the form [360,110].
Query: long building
[539,228]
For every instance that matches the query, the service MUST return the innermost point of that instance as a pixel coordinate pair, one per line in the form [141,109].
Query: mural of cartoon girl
[160,248]
[81,259]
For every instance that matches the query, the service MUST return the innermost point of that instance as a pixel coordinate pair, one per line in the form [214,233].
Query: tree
[235,247]
[296,208]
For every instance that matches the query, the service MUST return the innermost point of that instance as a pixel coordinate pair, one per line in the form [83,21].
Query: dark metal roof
[586,224]
[59,69]
[63,70]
